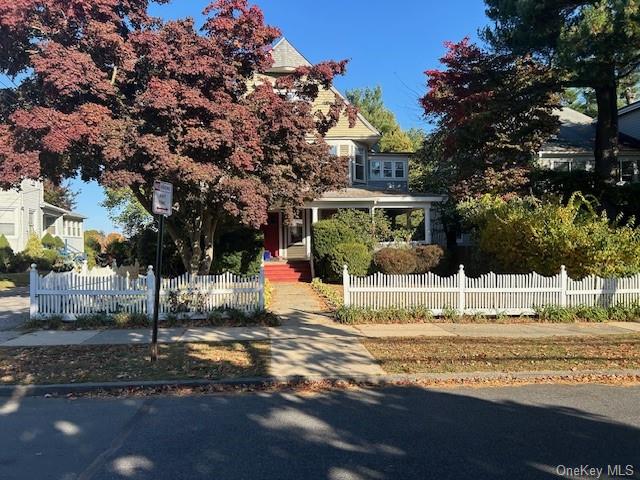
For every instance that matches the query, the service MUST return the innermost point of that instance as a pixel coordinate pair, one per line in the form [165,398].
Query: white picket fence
[489,294]
[71,294]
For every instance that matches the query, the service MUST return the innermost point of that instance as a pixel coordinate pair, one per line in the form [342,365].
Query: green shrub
[614,313]
[47,260]
[239,251]
[327,235]
[428,257]
[526,234]
[51,242]
[7,257]
[356,315]
[333,298]
[395,261]
[356,256]
[33,248]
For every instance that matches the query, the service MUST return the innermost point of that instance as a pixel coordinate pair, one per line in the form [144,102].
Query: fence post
[85,267]
[33,291]
[563,286]
[345,286]
[461,286]
[151,289]
[261,303]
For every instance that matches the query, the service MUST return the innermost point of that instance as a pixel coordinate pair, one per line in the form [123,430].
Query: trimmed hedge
[327,235]
[395,261]
[356,256]
[51,242]
[428,257]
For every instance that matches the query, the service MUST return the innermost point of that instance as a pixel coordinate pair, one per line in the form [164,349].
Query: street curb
[470,378]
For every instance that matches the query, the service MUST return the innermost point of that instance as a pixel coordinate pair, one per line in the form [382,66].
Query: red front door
[272,234]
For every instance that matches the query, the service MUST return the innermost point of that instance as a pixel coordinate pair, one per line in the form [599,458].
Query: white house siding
[22,212]
[15,207]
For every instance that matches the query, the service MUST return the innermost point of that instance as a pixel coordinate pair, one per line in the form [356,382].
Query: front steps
[291,271]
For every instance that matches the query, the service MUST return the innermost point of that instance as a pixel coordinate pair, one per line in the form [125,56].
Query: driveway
[14,307]
[527,432]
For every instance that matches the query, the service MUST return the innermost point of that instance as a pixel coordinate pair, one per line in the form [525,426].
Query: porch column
[307,231]
[281,241]
[427,223]
[314,215]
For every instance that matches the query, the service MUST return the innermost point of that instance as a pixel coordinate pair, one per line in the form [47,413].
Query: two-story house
[23,211]
[376,180]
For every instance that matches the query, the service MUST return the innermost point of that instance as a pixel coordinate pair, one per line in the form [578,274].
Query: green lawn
[459,354]
[112,363]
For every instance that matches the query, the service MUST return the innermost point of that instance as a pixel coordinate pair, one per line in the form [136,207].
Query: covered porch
[293,242]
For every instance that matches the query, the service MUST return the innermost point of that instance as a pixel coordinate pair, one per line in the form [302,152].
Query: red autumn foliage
[492,114]
[117,96]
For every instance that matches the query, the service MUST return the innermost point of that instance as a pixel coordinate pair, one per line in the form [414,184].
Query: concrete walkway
[309,343]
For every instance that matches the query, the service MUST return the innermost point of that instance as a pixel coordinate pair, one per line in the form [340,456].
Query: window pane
[7,229]
[375,169]
[399,169]
[333,149]
[359,164]
[561,166]
[388,169]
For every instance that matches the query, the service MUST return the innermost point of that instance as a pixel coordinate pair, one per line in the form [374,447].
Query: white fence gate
[509,294]
[71,294]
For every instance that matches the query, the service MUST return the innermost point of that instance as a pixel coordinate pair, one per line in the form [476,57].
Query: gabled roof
[61,211]
[286,58]
[577,134]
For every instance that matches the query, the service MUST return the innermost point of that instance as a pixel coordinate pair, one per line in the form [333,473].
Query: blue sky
[389,44]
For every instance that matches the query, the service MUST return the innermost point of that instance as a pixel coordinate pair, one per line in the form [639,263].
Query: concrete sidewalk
[308,329]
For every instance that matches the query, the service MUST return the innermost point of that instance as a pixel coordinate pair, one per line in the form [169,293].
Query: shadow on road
[395,433]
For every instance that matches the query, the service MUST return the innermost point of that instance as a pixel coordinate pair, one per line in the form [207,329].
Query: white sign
[162,198]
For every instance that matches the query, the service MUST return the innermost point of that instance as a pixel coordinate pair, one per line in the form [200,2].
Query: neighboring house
[376,180]
[24,210]
[572,148]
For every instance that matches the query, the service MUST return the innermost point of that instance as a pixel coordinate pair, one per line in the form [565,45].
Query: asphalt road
[395,433]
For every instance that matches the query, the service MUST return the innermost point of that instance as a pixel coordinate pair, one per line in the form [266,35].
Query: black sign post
[156,298]
[161,206]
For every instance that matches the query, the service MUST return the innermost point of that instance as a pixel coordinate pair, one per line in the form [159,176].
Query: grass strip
[464,354]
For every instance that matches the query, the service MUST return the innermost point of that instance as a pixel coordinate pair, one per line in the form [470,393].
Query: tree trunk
[196,246]
[606,146]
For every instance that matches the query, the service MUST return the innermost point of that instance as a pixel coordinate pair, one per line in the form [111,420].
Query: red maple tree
[492,113]
[115,95]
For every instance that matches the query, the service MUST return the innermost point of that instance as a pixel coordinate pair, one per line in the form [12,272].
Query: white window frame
[12,212]
[358,150]
[394,165]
